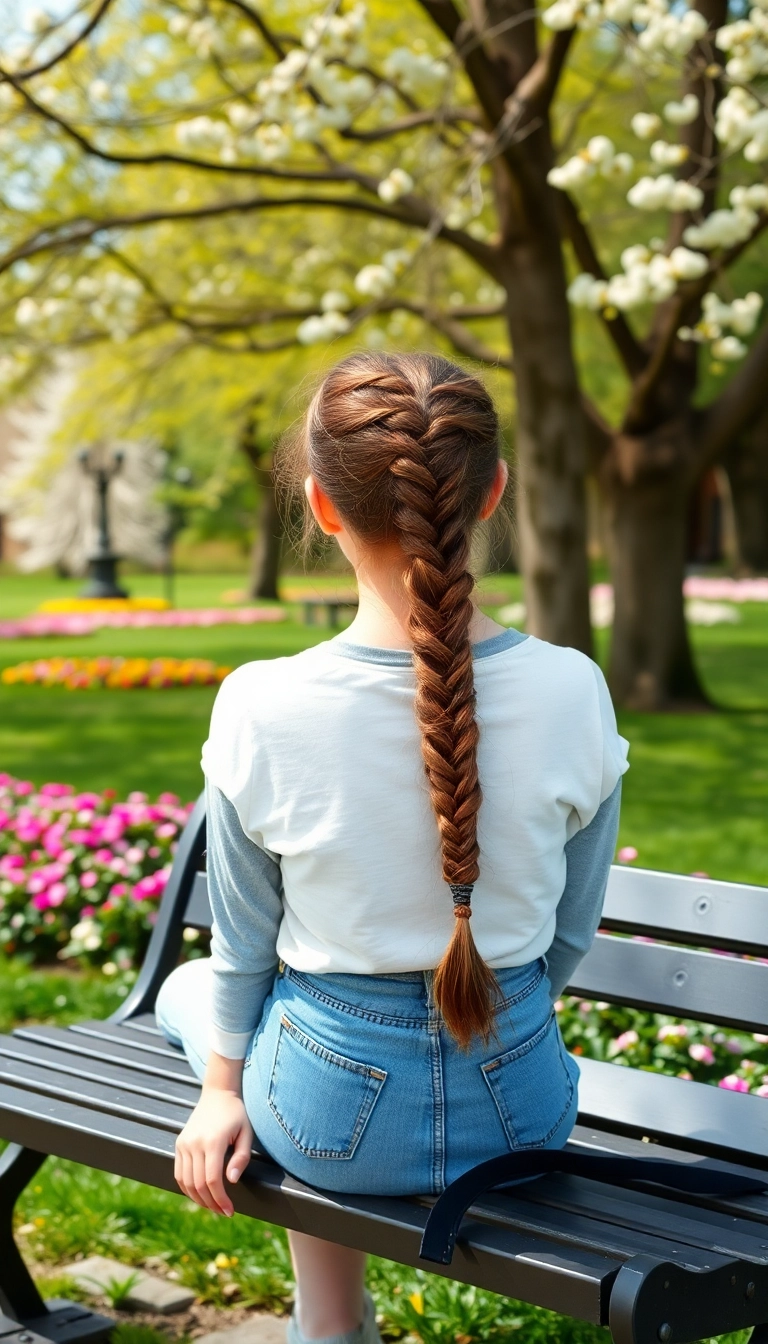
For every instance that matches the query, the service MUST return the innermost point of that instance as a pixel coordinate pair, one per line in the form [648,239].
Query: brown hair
[406,447]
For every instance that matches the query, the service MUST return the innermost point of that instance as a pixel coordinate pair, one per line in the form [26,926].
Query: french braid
[406,446]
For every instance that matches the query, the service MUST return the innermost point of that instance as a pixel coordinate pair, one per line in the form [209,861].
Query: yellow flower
[222,1261]
[417,1302]
[39,1222]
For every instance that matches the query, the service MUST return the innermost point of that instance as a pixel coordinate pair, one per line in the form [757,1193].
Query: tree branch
[629,349]
[76,232]
[481,72]
[461,339]
[739,403]
[258,22]
[92,23]
[450,117]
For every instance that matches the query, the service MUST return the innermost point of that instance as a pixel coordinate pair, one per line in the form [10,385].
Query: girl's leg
[183,1010]
[329,1286]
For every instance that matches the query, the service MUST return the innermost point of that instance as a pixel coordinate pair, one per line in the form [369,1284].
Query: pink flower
[171,798]
[29,830]
[627,854]
[79,836]
[699,874]
[134,854]
[5,817]
[733,1046]
[41,900]
[24,788]
[88,879]
[87,801]
[761,1091]
[155,851]
[137,797]
[103,856]
[56,790]
[57,893]
[87,911]
[119,889]
[686,1075]
[625,1041]
[167,831]
[703,1054]
[672,1030]
[734,1084]
[761,1040]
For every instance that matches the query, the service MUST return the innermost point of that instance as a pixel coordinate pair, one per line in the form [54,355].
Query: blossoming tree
[423,127]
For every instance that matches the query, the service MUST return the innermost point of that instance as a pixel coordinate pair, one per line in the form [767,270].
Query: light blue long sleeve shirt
[245,890]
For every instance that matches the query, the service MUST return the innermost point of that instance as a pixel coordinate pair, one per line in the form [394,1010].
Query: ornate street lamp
[102,564]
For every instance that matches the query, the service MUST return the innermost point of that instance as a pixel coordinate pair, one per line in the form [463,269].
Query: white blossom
[99,91]
[645,124]
[728,348]
[397,260]
[416,72]
[587,292]
[756,150]
[27,312]
[201,133]
[573,173]
[599,155]
[754,197]
[397,184]
[668,155]
[687,265]
[334,300]
[734,116]
[373,280]
[723,228]
[684,112]
[665,193]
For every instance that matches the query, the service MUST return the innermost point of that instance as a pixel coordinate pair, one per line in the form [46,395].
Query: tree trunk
[267,550]
[651,666]
[267,545]
[551,451]
[747,467]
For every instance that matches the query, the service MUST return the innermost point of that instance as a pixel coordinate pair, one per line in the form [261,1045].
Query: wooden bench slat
[536,1269]
[655,1214]
[99,1096]
[125,1033]
[693,1116]
[182,1090]
[680,908]
[145,1022]
[90,1047]
[680,981]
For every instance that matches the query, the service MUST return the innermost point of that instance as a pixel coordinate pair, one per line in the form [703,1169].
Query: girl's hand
[218,1121]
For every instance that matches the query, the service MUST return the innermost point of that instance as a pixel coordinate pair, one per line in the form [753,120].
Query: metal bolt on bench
[652,1263]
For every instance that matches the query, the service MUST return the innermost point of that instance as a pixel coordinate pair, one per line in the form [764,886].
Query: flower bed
[116,674]
[65,605]
[81,874]
[84,623]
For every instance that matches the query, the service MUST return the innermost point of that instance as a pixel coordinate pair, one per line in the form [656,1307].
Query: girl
[350,1016]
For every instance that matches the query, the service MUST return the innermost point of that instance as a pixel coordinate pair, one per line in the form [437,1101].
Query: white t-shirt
[320,755]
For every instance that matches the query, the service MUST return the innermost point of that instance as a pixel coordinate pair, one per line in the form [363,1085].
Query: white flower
[687,265]
[27,312]
[618,11]
[334,301]
[600,149]
[241,117]
[562,14]
[92,942]
[723,228]
[397,260]
[728,348]
[757,148]
[201,133]
[744,313]
[733,118]
[585,291]
[630,290]
[645,124]
[178,25]
[99,91]
[373,281]
[397,184]
[322,328]
[685,196]
[573,173]
[684,112]
[415,71]
[667,155]
[754,197]
[618,167]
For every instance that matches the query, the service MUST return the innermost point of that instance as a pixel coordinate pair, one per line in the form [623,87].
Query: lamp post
[102,564]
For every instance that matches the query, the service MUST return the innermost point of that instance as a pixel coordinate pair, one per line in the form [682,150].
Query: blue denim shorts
[352,1084]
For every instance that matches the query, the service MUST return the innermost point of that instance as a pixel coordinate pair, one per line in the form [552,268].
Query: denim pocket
[322,1100]
[532,1087]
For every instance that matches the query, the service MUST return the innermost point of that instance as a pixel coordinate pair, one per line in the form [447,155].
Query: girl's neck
[382,616]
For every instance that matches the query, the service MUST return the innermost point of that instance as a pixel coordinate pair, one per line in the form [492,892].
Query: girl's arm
[244,888]
[589,855]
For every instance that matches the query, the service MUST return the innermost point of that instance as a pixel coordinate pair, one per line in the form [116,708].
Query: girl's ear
[323,510]
[497,489]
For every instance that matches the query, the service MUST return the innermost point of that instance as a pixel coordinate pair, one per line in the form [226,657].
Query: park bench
[650,1263]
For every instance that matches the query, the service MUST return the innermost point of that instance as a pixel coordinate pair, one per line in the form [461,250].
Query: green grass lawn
[693,800]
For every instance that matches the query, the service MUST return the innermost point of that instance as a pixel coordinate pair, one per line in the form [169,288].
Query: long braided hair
[406,447]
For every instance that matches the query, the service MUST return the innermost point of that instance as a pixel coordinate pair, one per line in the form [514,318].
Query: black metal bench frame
[649,1263]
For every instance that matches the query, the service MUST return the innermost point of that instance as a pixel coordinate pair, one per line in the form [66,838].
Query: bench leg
[58,1320]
